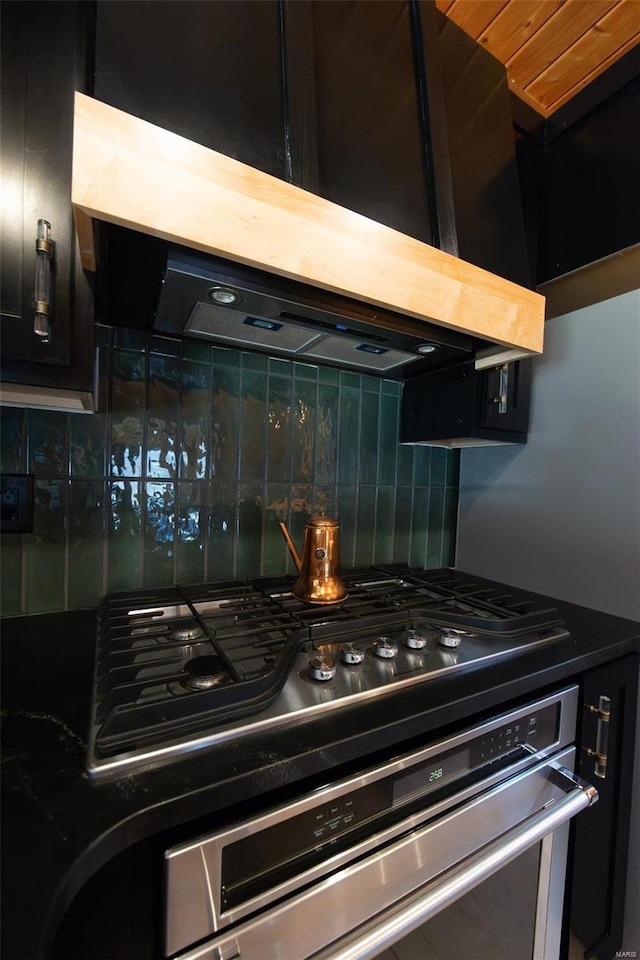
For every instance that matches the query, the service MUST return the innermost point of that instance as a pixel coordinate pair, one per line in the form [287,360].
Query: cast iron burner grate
[173,664]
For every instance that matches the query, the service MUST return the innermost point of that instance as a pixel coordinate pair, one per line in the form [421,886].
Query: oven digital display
[432,775]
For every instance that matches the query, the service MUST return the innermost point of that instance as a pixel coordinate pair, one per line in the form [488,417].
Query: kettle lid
[321,521]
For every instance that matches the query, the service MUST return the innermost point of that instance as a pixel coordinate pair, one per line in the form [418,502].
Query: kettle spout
[290,544]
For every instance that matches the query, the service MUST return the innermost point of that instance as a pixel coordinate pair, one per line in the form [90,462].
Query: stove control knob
[351,653]
[385,647]
[414,640]
[322,668]
[450,638]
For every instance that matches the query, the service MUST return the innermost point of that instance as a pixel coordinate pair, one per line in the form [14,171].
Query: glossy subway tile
[125,544]
[303,433]
[161,448]
[225,424]
[251,498]
[349,419]
[253,426]
[365,526]
[48,444]
[160,530]
[279,426]
[45,566]
[87,445]
[276,557]
[327,434]
[86,542]
[384,543]
[435,529]
[388,439]
[195,421]
[191,534]
[128,411]
[13,433]
[222,530]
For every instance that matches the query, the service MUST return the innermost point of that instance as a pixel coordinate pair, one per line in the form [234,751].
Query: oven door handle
[399,920]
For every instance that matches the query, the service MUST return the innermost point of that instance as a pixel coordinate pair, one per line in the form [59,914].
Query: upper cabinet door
[44,47]
[211,72]
[355,120]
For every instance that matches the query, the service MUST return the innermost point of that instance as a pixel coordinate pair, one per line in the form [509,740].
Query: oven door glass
[495,921]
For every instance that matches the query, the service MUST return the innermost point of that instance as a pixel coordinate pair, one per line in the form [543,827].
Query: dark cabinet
[46,55]
[211,72]
[579,181]
[592,188]
[208,71]
[472,149]
[352,67]
[461,406]
[602,839]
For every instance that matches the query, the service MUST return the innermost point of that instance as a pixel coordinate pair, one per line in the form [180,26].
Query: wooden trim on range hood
[130,172]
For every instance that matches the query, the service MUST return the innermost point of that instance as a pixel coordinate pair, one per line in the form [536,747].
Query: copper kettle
[319,580]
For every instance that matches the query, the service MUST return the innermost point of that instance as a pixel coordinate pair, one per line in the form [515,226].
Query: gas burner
[186,632]
[205,673]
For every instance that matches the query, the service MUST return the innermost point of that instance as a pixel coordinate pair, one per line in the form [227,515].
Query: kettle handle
[290,544]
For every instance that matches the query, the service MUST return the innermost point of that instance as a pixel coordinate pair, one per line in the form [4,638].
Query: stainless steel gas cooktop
[182,668]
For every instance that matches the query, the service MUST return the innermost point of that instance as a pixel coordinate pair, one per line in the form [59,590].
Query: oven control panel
[533,730]
[261,860]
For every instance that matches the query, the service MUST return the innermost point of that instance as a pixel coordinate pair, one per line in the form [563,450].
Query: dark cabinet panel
[369,137]
[476,161]
[462,406]
[45,57]
[211,72]
[592,187]
[602,838]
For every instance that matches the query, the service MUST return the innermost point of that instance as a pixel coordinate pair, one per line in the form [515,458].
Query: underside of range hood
[232,305]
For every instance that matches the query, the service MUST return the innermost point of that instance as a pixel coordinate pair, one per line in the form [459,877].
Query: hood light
[223,295]
[426,348]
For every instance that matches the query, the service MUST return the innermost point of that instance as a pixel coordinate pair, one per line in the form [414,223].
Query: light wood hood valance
[129,172]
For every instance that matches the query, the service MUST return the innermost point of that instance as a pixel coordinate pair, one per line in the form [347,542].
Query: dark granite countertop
[60,827]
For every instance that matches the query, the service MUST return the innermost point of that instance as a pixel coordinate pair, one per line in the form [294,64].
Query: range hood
[237,306]
[257,262]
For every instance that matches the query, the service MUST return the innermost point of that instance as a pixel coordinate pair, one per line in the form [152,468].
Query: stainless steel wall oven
[350,869]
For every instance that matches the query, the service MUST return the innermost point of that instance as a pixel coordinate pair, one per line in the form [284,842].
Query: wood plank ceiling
[551,48]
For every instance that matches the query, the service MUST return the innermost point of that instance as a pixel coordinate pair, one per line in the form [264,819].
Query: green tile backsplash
[200,451]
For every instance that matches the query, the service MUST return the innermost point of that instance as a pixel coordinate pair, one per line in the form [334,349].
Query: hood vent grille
[354,354]
[284,337]
[218,323]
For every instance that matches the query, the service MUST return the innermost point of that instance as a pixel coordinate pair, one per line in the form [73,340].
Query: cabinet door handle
[503,389]
[603,713]
[44,260]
